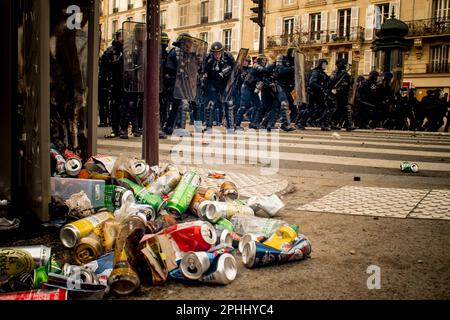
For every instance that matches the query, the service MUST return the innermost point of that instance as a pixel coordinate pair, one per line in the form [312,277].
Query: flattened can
[228,191]
[73,163]
[409,167]
[223,271]
[71,233]
[182,196]
[255,254]
[193,236]
[17,260]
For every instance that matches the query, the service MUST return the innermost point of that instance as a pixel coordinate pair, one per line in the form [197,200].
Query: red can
[193,236]
[57,294]
[73,163]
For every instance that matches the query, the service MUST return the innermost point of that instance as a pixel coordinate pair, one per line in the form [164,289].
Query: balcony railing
[228,15]
[441,67]
[204,19]
[313,38]
[115,10]
[428,27]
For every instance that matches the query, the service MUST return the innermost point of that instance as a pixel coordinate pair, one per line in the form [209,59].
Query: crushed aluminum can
[102,267]
[211,195]
[228,191]
[255,254]
[406,166]
[167,182]
[79,274]
[216,210]
[17,260]
[193,236]
[222,272]
[247,238]
[144,195]
[194,264]
[73,163]
[181,198]
[143,171]
[60,162]
[197,205]
[72,232]
[88,249]
[224,237]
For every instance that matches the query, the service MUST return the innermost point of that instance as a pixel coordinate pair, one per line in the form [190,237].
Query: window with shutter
[368,33]
[367,61]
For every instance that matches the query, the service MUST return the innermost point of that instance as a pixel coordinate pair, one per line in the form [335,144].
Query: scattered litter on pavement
[128,224]
[6,224]
[336,135]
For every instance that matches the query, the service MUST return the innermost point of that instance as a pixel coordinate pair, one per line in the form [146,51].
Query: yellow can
[283,238]
[71,233]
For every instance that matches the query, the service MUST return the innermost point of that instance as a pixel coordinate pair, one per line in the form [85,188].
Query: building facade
[210,20]
[335,29]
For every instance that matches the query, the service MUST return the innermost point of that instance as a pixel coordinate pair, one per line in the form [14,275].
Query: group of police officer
[214,88]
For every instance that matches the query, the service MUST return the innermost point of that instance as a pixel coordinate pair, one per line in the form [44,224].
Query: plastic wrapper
[271,205]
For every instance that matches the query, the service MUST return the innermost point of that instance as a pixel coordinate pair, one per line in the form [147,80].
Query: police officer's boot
[285,119]
[182,132]
[239,117]
[229,115]
[209,115]
[349,120]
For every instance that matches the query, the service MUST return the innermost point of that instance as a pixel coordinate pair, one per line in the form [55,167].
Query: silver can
[17,260]
[225,271]
[224,237]
[80,274]
[216,210]
[143,171]
[248,237]
[73,167]
[195,264]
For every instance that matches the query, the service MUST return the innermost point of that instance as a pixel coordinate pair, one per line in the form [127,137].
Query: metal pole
[261,40]
[150,141]
[94,48]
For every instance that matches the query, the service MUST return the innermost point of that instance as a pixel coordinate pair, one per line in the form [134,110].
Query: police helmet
[181,39]
[217,47]
[341,63]
[374,74]
[291,52]
[165,38]
[261,57]
[321,62]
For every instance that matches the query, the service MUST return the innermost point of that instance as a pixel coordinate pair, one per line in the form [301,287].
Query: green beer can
[182,196]
[143,195]
[223,223]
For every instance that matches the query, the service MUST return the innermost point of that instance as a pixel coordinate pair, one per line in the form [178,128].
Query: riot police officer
[339,93]
[368,96]
[104,78]
[164,83]
[178,57]
[318,94]
[217,69]
[250,91]
[113,59]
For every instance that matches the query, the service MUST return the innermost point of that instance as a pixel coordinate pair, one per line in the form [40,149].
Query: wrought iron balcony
[428,27]
[204,19]
[440,67]
[317,38]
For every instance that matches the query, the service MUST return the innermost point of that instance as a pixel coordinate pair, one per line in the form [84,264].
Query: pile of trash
[129,224]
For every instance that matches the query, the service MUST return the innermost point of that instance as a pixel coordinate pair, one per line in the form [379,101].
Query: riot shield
[134,53]
[301,78]
[355,85]
[228,96]
[190,55]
